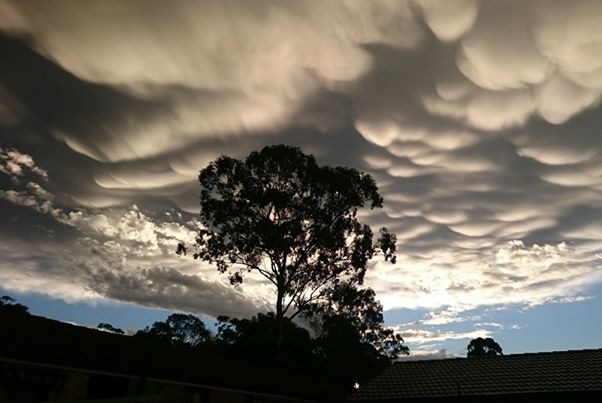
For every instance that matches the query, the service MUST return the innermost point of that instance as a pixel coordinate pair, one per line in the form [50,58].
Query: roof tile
[559,371]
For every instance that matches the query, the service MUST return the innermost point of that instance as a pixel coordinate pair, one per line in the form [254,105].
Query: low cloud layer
[480,121]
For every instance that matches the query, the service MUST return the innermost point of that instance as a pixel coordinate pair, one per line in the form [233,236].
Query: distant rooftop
[549,372]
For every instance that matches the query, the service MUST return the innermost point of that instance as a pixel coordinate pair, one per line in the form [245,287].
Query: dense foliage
[179,329]
[483,347]
[9,304]
[280,215]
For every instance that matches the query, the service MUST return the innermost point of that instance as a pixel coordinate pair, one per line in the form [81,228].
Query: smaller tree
[255,339]
[9,304]
[179,329]
[483,347]
[351,334]
[109,328]
[360,308]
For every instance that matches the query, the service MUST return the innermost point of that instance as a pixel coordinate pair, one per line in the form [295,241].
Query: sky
[479,120]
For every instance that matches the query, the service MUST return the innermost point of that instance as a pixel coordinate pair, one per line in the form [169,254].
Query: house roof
[558,371]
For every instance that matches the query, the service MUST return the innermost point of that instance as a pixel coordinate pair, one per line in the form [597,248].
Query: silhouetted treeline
[343,342]
[336,350]
[9,304]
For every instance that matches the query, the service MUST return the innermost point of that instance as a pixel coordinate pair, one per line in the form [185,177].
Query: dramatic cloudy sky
[480,120]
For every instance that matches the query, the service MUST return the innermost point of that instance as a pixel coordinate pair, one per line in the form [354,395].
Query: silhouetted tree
[179,329]
[279,214]
[9,304]
[352,336]
[361,309]
[110,328]
[480,347]
[255,339]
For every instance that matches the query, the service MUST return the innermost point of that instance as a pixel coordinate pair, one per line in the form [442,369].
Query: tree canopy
[281,215]
[179,329]
[352,338]
[255,339]
[359,308]
[9,304]
[481,347]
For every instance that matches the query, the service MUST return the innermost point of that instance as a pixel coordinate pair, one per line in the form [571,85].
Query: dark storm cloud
[169,288]
[60,103]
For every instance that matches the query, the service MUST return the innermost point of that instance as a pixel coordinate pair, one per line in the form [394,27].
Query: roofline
[587,350]
[150,378]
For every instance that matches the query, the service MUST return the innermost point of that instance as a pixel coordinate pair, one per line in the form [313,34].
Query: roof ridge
[553,352]
[538,353]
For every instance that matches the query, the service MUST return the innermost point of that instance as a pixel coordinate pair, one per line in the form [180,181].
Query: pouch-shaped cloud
[523,228]
[550,50]
[558,98]
[446,217]
[502,32]
[197,50]
[450,19]
[485,110]
[243,71]
[556,154]
[569,34]
[140,178]
[475,228]
[220,68]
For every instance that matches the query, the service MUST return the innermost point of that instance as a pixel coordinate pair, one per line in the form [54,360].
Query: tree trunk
[279,324]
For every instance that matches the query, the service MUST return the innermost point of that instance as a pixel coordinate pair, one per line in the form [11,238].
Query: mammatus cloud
[196,61]
[479,120]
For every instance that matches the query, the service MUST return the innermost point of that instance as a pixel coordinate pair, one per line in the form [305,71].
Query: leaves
[179,329]
[359,308]
[481,347]
[9,304]
[279,214]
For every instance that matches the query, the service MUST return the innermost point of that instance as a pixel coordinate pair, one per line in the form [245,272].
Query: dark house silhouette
[43,360]
[566,376]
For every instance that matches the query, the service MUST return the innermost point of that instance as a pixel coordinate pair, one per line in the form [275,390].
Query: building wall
[30,383]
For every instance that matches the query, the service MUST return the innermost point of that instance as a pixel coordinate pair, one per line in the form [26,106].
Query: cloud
[139,267]
[85,273]
[170,288]
[427,354]
[290,51]
[119,253]
[446,316]
[419,336]
[558,99]
[479,120]
[462,281]
[16,164]
[451,19]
